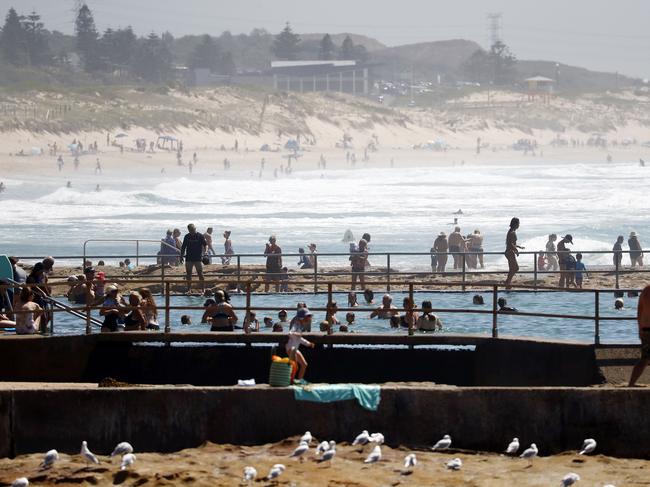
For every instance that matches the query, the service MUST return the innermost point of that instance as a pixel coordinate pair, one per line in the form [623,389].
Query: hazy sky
[597,34]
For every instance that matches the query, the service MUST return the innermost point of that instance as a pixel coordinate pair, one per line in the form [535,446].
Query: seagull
[127,461]
[454,464]
[49,459]
[323,446]
[249,474]
[410,461]
[122,449]
[362,439]
[570,479]
[513,447]
[375,455]
[530,452]
[330,453]
[20,482]
[276,471]
[443,444]
[306,438]
[87,454]
[377,438]
[300,450]
[588,446]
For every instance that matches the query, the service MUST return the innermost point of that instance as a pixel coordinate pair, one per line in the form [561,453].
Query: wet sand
[222,465]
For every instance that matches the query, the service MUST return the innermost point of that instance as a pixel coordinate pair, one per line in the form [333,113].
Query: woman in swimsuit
[135,319]
[219,313]
[149,309]
[410,317]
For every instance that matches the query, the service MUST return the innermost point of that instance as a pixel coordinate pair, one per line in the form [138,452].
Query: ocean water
[526,326]
[403,209]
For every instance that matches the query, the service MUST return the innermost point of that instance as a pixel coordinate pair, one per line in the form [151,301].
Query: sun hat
[632,234]
[111,288]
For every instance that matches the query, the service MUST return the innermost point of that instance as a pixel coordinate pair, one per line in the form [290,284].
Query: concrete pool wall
[168,418]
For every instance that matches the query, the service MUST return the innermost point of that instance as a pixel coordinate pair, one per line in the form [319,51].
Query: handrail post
[535,269]
[83,262]
[137,253]
[52,320]
[168,325]
[315,273]
[597,318]
[464,270]
[411,294]
[238,272]
[89,329]
[162,276]
[388,272]
[248,299]
[617,260]
[495,327]
[329,298]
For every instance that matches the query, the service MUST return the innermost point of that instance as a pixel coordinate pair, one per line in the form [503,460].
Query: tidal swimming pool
[566,303]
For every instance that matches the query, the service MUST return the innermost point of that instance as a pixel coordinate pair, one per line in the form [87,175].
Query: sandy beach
[213,464]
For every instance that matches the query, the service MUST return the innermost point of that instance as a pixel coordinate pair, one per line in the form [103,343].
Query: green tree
[285,44]
[227,65]
[347,49]
[38,47]
[495,66]
[503,62]
[206,54]
[327,48]
[153,59]
[118,47]
[87,39]
[13,41]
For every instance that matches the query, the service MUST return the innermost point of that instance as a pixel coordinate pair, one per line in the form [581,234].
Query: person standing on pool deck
[636,254]
[456,246]
[563,256]
[551,256]
[192,251]
[618,251]
[441,246]
[512,251]
[273,255]
[643,319]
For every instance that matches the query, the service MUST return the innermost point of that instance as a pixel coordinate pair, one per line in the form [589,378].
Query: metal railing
[127,240]
[318,271]
[85,312]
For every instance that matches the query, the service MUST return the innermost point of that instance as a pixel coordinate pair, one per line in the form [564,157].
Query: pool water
[454,323]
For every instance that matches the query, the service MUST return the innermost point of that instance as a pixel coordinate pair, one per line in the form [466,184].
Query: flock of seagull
[324,452]
[123,449]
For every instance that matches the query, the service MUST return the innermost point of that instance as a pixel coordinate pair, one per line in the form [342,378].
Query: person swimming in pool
[219,313]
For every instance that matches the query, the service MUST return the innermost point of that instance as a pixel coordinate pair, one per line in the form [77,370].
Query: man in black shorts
[192,250]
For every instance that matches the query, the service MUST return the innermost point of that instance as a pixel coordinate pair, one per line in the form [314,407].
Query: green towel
[368,395]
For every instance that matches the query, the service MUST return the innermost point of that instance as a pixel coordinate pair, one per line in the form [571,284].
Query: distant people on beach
[475,250]
[551,256]
[227,248]
[273,254]
[512,251]
[359,261]
[441,247]
[456,247]
[565,260]
[192,251]
[580,269]
[617,256]
[303,260]
[208,243]
[643,321]
[636,254]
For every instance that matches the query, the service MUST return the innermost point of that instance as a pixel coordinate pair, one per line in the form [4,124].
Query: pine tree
[206,54]
[87,39]
[38,48]
[327,48]
[153,59]
[285,45]
[13,41]
[347,49]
